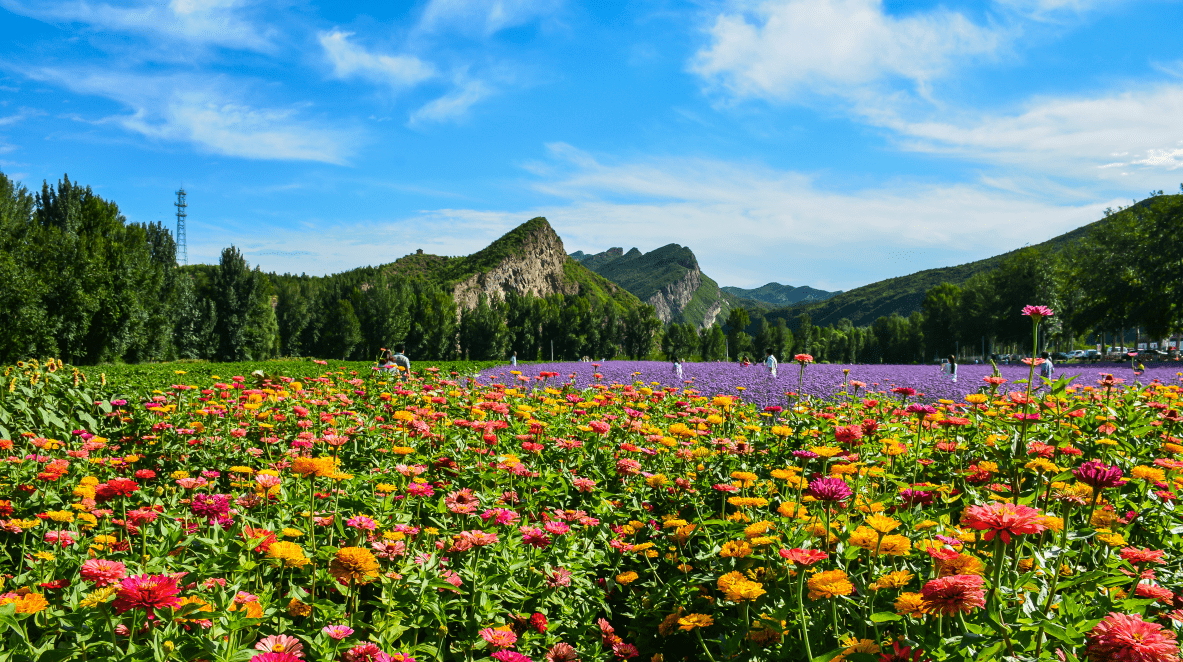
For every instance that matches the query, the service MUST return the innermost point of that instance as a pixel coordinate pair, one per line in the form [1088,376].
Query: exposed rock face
[673,297]
[538,268]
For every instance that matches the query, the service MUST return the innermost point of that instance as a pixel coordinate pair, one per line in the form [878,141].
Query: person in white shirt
[770,362]
[513,360]
[949,368]
[400,360]
[678,367]
[1047,368]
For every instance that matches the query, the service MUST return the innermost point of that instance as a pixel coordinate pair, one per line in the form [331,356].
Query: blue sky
[828,143]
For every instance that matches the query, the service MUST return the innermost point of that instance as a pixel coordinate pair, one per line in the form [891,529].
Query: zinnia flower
[1127,638]
[829,584]
[803,557]
[1142,556]
[953,594]
[692,621]
[147,592]
[354,565]
[1037,313]
[1099,475]
[103,572]
[498,638]
[1003,519]
[829,489]
[281,643]
[337,632]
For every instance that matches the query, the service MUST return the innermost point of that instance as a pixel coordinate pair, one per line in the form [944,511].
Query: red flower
[803,557]
[902,654]
[1142,556]
[1004,519]
[147,592]
[803,358]
[1127,638]
[953,594]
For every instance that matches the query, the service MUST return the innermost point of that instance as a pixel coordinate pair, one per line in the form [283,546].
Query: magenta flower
[1037,313]
[829,489]
[1099,475]
[337,632]
[361,522]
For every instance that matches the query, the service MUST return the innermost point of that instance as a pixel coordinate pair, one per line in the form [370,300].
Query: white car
[1078,354]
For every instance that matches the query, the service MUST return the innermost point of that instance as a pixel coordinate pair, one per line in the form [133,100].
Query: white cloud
[214,22]
[453,105]
[209,113]
[788,49]
[483,16]
[1078,137]
[350,60]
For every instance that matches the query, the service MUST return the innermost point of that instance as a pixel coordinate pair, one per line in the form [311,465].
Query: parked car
[1078,354]
[1059,356]
[1092,355]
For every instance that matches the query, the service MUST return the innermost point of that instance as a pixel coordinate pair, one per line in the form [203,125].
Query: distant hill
[529,258]
[777,295]
[905,294]
[667,278]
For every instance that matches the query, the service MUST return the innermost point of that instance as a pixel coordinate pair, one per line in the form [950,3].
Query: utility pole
[552,350]
[182,244]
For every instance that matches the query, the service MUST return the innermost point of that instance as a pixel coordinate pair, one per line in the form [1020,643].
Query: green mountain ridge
[778,295]
[668,278]
[905,294]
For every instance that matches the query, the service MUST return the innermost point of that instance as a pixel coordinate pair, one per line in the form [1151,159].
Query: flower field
[322,512]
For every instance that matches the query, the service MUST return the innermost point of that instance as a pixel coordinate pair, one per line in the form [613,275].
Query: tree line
[78,281]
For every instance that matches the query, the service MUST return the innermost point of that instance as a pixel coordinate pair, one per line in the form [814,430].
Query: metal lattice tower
[182,247]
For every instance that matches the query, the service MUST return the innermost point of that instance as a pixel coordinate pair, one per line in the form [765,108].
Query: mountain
[668,278]
[905,294]
[529,258]
[777,295]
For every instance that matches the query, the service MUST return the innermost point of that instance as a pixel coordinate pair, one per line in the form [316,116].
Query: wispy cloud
[483,16]
[786,50]
[211,113]
[213,22]
[350,60]
[1087,137]
[453,105]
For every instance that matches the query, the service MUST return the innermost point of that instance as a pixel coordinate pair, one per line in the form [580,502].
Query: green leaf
[885,616]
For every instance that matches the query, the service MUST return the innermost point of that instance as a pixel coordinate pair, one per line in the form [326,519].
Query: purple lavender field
[821,381]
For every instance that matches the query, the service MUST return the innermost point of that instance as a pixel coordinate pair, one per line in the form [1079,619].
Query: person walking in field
[513,360]
[1047,368]
[949,368]
[770,362]
[678,367]
[402,364]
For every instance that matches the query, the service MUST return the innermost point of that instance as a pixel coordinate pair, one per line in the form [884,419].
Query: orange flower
[354,565]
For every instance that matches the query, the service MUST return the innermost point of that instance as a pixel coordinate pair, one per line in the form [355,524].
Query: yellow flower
[63,516]
[627,578]
[895,546]
[864,537]
[97,597]
[298,609]
[893,579]
[688,623]
[354,565]
[735,549]
[909,604]
[882,523]
[756,529]
[853,645]
[746,478]
[829,584]
[1149,474]
[287,554]
[747,502]
[28,603]
[826,451]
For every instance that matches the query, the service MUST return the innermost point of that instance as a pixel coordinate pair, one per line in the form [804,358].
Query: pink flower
[1099,475]
[420,489]
[953,594]
[1037,313]
[147,592]
[1003,519]
[366,652]
[462,502]
[337,632]
[362,523]
[803,358]
[534,537]
[103,572]
[281,643]
[275,657]
[510,656]
[498,638]
[585,484]
[1127,638]
[829,489]
[558,577]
